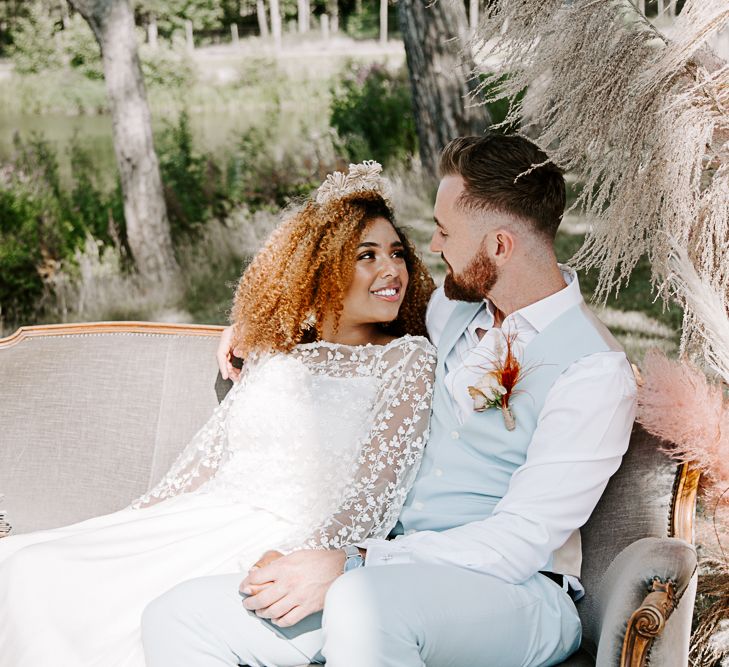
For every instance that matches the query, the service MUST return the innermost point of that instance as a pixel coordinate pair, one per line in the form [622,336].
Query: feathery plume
[641,118]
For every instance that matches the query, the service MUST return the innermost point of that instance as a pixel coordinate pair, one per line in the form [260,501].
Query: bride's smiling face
[380,277]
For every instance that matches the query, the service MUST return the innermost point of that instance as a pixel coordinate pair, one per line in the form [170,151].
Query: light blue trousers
[389,616]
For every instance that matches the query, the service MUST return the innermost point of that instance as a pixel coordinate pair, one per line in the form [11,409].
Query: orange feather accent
[508,370]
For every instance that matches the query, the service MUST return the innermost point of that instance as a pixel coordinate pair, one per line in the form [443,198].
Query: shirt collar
[537,315]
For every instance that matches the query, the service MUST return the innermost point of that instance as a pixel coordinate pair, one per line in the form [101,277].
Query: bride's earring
[309,322]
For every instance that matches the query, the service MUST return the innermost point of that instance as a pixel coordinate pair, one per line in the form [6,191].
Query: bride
[316,444]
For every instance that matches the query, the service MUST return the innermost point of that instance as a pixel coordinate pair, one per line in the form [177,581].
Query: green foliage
[21,288]
[34,47]
[262,179]
[499,109]
[192,184]
[206,15]
[166,67]
[41,223]
[364,24]
[371,110]
[43,44]
[81,50]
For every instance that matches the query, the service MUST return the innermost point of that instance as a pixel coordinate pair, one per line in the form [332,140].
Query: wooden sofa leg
[647,623]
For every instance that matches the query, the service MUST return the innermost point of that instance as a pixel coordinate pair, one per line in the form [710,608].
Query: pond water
[212,132]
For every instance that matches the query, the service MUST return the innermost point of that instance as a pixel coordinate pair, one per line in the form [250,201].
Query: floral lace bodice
[328,436]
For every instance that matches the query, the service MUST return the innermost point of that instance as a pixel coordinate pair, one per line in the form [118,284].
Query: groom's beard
[474,283]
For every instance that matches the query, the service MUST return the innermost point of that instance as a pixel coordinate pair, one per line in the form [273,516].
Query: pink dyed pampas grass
[678,403]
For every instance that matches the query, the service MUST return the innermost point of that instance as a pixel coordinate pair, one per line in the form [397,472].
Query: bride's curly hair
[304,270]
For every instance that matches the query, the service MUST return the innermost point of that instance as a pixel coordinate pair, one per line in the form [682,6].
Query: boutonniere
[496,387]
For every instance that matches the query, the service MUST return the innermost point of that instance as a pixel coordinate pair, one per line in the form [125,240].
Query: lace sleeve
[390,455]
[200,459]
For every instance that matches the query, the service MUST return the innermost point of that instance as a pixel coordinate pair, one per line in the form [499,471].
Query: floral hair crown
[362,177]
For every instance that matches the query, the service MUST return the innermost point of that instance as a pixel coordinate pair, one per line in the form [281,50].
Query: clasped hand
[287,589]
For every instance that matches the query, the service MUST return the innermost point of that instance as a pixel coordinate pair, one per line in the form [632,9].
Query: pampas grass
[642,120]
[706,315]
[679,404]
[710,640]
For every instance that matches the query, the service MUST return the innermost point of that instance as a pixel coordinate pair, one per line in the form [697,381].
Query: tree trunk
[148,229]
[383,21]
[440,76]
[303,16]
[65,18]
[473,15]
[333,6]
[262,22]
[276,24]
[152,32]
[189,36]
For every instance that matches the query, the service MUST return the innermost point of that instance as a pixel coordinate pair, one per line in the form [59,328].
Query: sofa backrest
[92,415]
[638,502]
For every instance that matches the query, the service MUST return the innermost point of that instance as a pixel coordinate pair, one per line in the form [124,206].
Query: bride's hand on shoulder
[225,356]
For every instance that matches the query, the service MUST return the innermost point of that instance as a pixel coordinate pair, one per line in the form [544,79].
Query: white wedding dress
[316,448]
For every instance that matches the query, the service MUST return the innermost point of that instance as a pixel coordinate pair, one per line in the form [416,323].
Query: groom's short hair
[507,173]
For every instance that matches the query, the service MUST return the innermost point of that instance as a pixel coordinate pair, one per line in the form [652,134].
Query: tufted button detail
[455,435]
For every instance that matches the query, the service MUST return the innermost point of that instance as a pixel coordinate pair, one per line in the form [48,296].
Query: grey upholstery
[627,581]
[580,659]
[635,505]
[90,421]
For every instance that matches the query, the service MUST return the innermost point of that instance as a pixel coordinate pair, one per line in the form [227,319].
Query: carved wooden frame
[647,622]
[81,328]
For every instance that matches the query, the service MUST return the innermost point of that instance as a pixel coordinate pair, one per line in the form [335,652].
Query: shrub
[81,50]
[42,223]
[34,47]
[364,24]
[372,112]
[191,181]
[166,66]
[272,165]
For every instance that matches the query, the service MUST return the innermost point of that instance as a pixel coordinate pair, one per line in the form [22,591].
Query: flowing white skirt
[74,596]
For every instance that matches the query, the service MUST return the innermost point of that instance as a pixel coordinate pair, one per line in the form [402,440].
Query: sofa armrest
[637,594]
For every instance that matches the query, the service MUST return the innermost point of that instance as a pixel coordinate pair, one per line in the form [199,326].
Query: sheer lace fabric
[328,437]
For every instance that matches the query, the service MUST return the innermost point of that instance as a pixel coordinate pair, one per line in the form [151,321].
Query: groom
[485,562]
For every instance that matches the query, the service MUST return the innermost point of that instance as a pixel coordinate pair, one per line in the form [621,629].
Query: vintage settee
[91,415]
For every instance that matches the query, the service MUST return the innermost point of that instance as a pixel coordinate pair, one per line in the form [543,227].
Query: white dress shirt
[580,438]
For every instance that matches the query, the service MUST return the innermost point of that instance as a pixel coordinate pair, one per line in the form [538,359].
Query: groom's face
[460,238]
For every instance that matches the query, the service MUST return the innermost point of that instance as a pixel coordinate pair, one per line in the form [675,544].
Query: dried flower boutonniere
[496,387]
